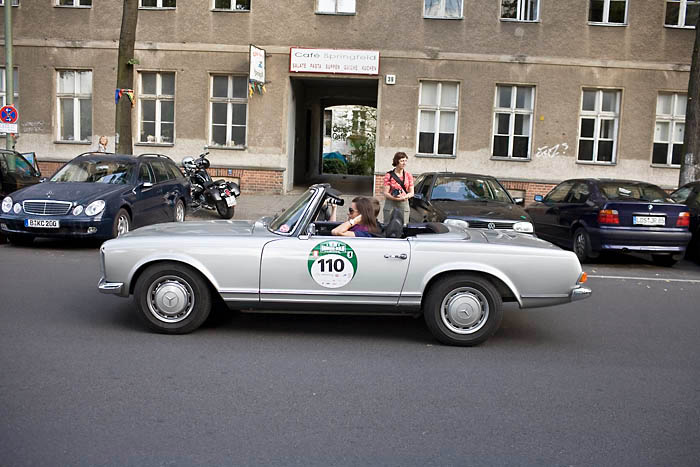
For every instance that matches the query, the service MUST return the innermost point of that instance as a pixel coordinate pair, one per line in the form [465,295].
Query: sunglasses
[351,210]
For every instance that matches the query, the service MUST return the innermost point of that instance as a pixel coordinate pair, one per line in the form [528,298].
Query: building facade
[530,91]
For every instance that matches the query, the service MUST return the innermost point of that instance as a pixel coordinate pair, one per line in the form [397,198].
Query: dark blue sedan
[98,195]
[591,216]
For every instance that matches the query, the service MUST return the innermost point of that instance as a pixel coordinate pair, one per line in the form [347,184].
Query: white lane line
[692,281]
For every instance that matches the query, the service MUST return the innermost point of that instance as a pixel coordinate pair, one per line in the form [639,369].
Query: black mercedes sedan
[469,200]
[689,194]
[97,195]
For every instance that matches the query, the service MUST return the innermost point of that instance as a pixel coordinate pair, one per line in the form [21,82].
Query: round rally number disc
[332,264]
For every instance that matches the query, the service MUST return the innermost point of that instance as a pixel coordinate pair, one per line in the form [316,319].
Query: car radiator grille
[496,225]
[47,208]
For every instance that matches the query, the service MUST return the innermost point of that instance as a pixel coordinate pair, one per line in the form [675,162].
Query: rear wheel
[122,223]
[223,210]
[582,245]
[664,260]
[463,309]
[179,212]
[172,298]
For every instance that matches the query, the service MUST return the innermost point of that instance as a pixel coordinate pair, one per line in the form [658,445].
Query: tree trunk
[690,169]
[125,76]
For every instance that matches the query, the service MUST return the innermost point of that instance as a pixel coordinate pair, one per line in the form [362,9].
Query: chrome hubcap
[580,245]
[122,225]
[465,310]
[179,212]
[170,299]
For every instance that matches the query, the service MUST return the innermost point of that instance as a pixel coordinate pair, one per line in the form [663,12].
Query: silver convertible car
[456,278]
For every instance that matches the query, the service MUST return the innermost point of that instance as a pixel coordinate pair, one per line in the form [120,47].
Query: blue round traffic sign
[8,114]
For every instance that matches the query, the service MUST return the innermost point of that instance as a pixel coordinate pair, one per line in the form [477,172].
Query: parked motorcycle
[218,195]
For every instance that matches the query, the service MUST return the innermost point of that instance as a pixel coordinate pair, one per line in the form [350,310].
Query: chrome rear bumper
[579,293]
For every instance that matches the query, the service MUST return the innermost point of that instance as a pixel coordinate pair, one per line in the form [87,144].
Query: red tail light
[683,220]
[608,216]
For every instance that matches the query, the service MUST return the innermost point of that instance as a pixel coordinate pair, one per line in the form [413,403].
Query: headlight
[524,227]
[95,208]
[457,222]
[77,210]
[17,208]
[6,204]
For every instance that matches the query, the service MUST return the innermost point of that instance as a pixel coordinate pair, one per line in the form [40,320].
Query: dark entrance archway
[309,97]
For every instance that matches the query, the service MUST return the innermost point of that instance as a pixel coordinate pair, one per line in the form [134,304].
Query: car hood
[492,210]
[78,192]
[196,229]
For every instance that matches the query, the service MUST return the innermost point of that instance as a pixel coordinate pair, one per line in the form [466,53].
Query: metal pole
[9,68]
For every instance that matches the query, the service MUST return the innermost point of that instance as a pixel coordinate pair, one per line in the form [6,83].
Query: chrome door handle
[401,256]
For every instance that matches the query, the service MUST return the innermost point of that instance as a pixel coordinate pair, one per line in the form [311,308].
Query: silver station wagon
[456,278]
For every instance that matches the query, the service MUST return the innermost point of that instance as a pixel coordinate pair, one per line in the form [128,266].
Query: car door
[545,214]
[573,209]
[165,184]
[146,197]
[17,173]
[320,271]
[421,210]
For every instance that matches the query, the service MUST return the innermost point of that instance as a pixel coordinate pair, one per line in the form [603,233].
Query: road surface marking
[692,281]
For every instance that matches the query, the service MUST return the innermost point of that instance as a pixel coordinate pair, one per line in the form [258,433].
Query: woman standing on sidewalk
[398,187]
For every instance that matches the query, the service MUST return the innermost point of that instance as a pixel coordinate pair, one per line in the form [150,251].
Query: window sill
[665,166]
[161,145]
[511,159]
[614,25]
[83,143]
[444,17]
[226,10]
[324,13]
[84,7]
[675,26]
[155,8]
[512,20]
[437,156]
[596,163]
[227,148]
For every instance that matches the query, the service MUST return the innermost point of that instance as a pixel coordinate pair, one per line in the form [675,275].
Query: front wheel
[172,298]
[179,212]
[224,211]
[122,223]
[463,309]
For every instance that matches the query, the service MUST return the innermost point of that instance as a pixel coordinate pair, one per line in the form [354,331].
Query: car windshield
[114,172]
[461,188]
[620,191]
[288,219]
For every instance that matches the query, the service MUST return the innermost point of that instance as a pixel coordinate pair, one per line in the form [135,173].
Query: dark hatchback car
[15,172]
[470,200]
[98,195]
[591,216]
[689,194]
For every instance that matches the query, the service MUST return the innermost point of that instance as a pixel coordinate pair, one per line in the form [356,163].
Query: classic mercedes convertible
[456,278]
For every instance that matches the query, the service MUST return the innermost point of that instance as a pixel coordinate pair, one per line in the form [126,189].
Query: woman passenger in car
[362,221]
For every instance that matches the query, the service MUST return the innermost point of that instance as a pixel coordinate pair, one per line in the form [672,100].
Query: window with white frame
[228,110]
[74,104]
[157,107]
[157,3]
[512,121]
[598,126]
[232,5]
[14,2]
[442,8]
[682,13]
[608,11]
[520,10]
[75,3]
[669,129]
[336,7]
[437,117]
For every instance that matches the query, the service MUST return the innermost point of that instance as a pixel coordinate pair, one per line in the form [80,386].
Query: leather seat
[394,228]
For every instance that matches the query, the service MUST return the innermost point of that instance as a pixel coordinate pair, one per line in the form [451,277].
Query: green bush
[334,166]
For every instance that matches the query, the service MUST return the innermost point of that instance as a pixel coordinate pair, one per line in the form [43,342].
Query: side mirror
[143,186]
[539,198]
[519,201]
[311,229]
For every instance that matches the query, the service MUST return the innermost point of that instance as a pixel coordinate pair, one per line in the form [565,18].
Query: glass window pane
[85,119]
[503,124]
[676,155]
[609,101]
[605,151]
[149,3]
[346,6]
[606,129]
[678,132]
[425,142]
[243,5]
[148,110]
[167,83]
[691,14]
[148,83]
[223,5]
[2,80]
[520,146]
[500,146]
[660,153]
[427,121]
[448,122]
[148,132]
[428,94]
[67,132]
[523,98]
[169,3]
[681,102]
[595,13]
[509,9]
[587,127]
[66,82]
[446,143]
[448,95]
[589,100]
[220,86]
[663,104]
[240,86]
[617,11]
[585,150]
[218,116]
[522,125]
[504,96]
[167,111]
[453,9]
[672,13]
[85,82]
[238,136]
[218,135]
[239,111]
[167,132]
[432,8]
[326,6]
[662,131]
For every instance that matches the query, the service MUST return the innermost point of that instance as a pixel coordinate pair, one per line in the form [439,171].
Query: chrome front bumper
[579,293]
[110,287]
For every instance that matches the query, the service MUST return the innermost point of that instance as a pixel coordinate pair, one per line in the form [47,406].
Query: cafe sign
[257,65]
[351,62]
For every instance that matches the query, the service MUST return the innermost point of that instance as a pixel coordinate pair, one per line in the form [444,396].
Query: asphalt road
[612,380]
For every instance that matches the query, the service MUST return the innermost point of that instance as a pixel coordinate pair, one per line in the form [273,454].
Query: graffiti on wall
[552,151]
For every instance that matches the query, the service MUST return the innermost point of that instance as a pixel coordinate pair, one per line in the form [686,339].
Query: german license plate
[42,223]
[649,220]
[230,201]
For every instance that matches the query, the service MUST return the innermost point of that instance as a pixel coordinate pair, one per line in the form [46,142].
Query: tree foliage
[361,133]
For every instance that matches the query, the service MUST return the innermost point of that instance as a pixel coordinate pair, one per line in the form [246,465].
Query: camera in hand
[395,192]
